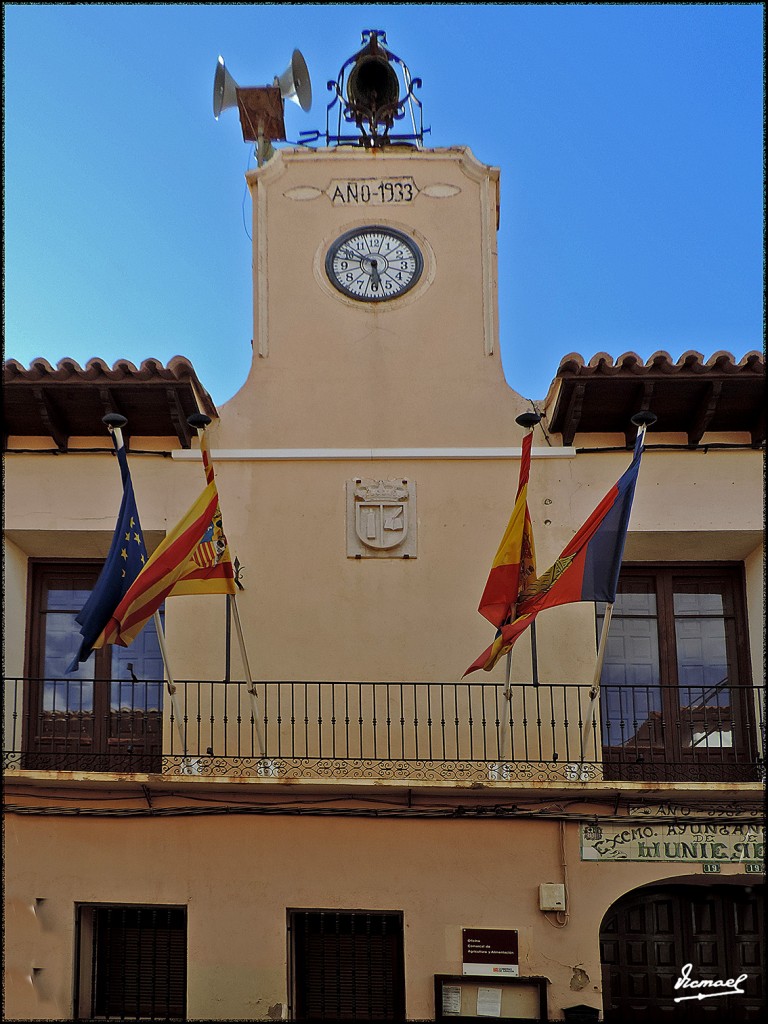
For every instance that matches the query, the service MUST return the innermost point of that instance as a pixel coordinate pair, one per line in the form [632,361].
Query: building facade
[367,834]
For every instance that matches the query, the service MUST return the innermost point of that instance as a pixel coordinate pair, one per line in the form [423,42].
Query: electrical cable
[245,193]
[294,809]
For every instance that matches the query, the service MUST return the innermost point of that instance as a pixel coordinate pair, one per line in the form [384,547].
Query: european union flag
[126,558]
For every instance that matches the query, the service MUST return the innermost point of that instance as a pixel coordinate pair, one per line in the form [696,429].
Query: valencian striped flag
[515,563]
[192,559]
[587,569]
[127,556]
[209,569]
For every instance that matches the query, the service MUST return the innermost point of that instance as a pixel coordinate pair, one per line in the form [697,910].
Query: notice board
[491,998]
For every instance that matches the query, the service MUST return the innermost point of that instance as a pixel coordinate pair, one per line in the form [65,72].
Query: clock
[374,264]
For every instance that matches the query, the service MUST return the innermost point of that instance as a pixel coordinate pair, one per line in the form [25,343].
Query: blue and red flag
[587,569]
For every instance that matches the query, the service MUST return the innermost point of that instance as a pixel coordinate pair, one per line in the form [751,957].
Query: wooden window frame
[101,750]
[731,574]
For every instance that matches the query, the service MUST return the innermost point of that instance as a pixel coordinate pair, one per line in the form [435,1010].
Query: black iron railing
[453,731]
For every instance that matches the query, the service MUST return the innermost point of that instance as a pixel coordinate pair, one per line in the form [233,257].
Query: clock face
[374,264]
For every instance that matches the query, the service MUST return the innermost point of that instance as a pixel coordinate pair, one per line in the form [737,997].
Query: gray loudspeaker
[224,89]
[294,82]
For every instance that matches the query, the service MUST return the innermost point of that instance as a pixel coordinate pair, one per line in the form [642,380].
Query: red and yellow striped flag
[192,559]
[515,561]
[587,569]
[209,569]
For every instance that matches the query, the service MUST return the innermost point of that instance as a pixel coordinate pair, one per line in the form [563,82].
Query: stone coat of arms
[379,517]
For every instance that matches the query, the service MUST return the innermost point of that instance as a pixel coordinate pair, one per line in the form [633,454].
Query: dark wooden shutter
[348,965]
[140,962]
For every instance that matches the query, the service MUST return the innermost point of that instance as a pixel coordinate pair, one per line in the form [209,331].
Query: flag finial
[114,420]
[644,419]
[198,419]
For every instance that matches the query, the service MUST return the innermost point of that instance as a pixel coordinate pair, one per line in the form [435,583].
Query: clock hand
[375,274]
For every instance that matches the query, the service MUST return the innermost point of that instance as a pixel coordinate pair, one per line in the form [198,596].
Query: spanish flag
[192,559]
[587,569]
[515,563]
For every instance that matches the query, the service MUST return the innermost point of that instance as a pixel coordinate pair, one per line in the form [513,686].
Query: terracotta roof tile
[70,400]
[692,395]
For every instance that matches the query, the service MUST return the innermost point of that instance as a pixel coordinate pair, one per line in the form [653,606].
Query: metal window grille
[133,963]
[348,965]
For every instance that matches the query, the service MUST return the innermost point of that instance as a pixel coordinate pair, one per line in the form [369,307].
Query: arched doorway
[650,934]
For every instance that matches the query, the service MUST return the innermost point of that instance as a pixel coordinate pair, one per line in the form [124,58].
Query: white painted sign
[678,841]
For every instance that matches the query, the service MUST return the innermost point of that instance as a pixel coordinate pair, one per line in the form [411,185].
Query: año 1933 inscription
[372,191]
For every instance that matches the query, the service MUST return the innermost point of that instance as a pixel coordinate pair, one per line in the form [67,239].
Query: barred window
[132,962]
[347,965]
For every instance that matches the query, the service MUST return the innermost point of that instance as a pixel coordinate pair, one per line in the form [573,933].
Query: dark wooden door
[106,715]
[648,936]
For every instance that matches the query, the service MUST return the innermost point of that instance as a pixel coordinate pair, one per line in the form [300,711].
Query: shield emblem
[381,524]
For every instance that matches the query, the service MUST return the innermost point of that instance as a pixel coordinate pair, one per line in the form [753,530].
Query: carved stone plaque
[381,518]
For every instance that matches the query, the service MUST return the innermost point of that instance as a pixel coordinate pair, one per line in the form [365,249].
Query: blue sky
[629,137]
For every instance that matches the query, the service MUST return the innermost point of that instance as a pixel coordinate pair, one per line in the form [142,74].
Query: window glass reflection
[631,697]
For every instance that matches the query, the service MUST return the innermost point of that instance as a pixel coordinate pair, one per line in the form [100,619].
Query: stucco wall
[14,607]
[238,877]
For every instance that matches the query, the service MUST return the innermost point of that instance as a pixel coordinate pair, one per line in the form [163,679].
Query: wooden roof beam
[183,430]
[110,403]
[51,419]
[706,410]
[573,413]
[757,430]
[642,400]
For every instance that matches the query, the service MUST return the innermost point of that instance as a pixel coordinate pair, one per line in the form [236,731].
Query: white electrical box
[551,896]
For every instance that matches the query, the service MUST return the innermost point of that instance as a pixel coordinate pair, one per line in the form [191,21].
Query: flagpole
[252,691]
[200,421]
[595,688]
[169,682]
[528,421]
[508,697]
[642,420]
[115,423]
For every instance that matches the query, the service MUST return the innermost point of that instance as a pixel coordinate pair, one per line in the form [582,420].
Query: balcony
[460,733]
